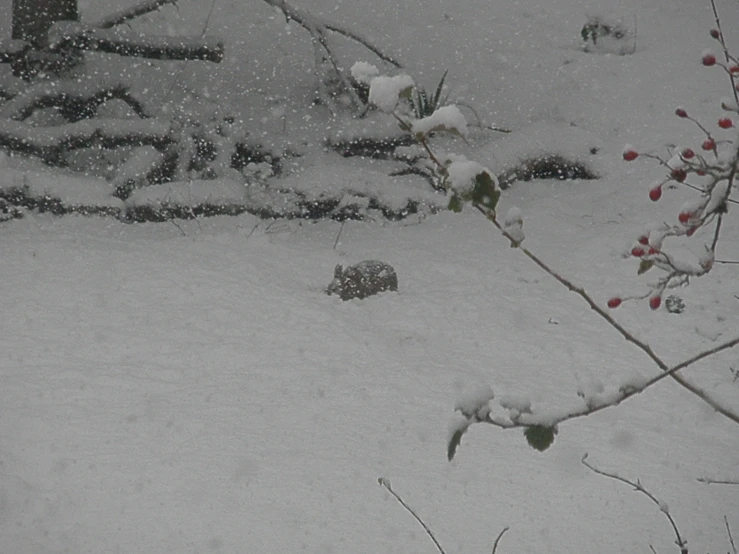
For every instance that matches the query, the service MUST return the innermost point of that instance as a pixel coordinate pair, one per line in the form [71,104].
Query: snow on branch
[644,347]
[50,143]
[65,34]
[142,8]
[74,98]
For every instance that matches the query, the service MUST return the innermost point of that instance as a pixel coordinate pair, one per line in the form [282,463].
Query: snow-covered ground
[190,387]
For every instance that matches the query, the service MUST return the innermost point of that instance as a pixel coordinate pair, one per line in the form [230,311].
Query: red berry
[680,112]
[614,302]
[684,217]
[637,251]
[688,154]
[655,194]
[679,175]
[652,251]
[734,68]
[715,34]
[691,231]
[725,123]
[630,155]
[709,144]
[655,302]
[700,172]
[644,239]
[709,59]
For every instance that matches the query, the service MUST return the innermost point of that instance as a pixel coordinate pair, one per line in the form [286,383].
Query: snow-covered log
[67,34]
[50,143]
[77,100]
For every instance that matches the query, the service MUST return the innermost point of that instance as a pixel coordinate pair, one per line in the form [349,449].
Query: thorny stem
[644,347]
[681,543]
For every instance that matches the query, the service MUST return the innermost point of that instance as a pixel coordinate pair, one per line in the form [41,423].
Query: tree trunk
[33,18]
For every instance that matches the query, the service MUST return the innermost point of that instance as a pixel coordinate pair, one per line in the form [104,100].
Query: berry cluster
[710,170]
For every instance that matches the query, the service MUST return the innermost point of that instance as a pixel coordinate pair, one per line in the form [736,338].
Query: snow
[385,91]
[446,118]
[462,173]
[475,400]
[195,389]
[364,72]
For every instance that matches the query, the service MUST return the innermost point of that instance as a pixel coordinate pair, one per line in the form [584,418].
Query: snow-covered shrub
[461,179]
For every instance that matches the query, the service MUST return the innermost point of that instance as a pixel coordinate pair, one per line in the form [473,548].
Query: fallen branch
[65,34]
[50,143]
[72,97]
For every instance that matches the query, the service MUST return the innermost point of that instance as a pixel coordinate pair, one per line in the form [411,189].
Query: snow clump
[385,91]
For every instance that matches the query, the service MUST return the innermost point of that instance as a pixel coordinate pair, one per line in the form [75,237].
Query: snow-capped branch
[64,34]
[644,347]
[132,12]
[74,98]
[679,540]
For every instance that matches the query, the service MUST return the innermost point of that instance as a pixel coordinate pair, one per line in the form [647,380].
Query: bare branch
[671,372]
[126,43]
[500,536]
[364,42]
[681,543]
[385,483]
[709,481]
[728,532]
[132,12]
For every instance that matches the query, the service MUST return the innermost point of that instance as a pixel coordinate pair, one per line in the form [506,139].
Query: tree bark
[32,19]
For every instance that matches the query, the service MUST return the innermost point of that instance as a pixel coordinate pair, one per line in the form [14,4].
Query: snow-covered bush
[461,179]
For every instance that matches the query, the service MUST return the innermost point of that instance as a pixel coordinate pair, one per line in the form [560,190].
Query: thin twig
[652,549]
[385,483]
[728,531]
[132,12]
[495,544]
[644,347]
[709,481]
[338,235]
[179,228]
[681,543]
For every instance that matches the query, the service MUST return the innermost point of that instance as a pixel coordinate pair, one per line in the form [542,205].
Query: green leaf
[540,437]
[454,442]
[644,266]
[455,203]
[484,191]
[437,95]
